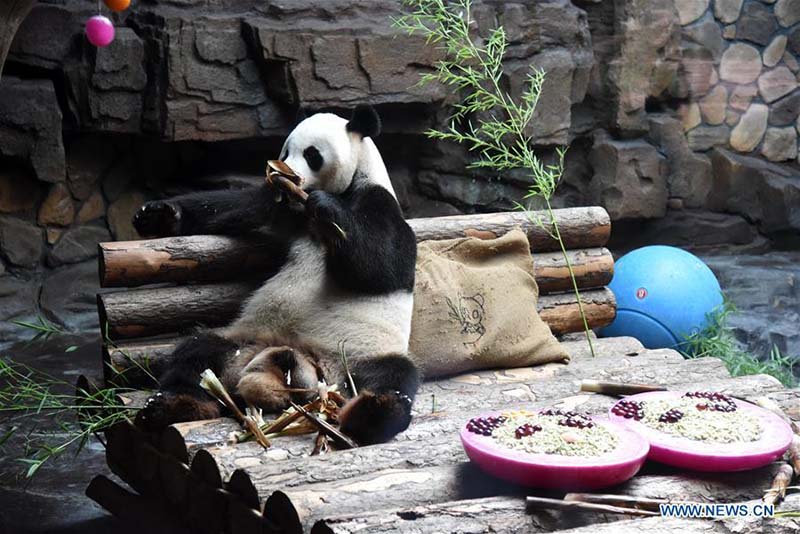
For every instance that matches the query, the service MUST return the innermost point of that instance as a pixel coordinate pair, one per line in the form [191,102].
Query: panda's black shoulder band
[365,121]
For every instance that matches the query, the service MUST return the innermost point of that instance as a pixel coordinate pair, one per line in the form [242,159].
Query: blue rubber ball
[663,295]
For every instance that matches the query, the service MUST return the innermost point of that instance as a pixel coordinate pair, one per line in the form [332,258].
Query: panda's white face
[323,152]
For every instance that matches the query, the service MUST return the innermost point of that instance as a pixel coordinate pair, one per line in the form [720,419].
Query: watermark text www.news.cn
[692,510]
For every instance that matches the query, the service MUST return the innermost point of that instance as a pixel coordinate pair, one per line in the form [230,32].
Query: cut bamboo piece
[149,312]
[203,257]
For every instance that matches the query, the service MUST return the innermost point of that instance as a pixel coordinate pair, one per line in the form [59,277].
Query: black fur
[180,397]
[313,158]
[227,212]
[378,251]
[393,373]
[387,386]
[365,121]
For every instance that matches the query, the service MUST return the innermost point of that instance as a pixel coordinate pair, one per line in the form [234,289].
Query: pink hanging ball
[99,31]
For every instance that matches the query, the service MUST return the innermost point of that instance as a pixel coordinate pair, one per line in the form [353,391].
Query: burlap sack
[475,307]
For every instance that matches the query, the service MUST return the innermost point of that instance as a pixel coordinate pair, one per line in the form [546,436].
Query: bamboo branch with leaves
[71,418]
[488,120]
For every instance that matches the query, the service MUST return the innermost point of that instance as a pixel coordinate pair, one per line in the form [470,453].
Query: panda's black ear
[365,121]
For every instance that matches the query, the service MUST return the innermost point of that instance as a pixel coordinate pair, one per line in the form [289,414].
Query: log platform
[193,478]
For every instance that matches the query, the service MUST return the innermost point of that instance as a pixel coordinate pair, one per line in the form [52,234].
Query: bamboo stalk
[621,501]
[543,503]
[794,455]
[334,433]
[780,483]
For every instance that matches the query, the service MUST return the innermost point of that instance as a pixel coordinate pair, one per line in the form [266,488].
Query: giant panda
[344,286]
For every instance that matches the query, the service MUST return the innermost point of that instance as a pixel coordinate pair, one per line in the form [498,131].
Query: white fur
[302,300]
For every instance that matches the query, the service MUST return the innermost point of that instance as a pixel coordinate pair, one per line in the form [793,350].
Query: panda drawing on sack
[348,275]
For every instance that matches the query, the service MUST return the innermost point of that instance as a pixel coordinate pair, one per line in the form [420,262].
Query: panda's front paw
[326,214]
[158,218]
[375,417]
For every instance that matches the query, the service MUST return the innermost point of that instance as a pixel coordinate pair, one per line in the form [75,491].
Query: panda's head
[326,149]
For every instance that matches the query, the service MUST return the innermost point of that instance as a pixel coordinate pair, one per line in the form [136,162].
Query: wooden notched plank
[209,258]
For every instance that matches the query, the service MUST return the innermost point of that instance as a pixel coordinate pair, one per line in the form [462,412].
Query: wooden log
[217,258]
[148,312]
[593,267]
[385,471]
[411,487]
[184,259]
[430,441]
[196,258]
[562,314]
[580,227]
[502,515]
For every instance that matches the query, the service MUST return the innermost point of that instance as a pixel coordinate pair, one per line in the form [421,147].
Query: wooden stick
[543,503]
[621,501]
[782,480]
[617,388]
[340,439]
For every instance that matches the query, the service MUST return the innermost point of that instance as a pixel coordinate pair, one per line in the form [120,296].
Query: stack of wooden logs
[203,280]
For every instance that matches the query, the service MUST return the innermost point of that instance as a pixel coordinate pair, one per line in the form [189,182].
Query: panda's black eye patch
[313,158]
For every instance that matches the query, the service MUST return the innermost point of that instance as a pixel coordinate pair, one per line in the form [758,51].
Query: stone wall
[744,75]
[198,94]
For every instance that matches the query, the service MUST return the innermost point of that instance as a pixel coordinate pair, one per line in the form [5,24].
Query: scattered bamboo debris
[544,503]
[253,422]
[617,388]
[780,484]
[342,440]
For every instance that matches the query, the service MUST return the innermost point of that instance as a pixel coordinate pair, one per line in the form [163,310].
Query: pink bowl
[703,456]
[554,471]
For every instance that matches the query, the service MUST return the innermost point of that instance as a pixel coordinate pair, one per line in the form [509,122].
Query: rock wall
[657,100]
[744,76]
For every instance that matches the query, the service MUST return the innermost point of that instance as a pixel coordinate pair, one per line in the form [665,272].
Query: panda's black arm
[378,251]
[228,212]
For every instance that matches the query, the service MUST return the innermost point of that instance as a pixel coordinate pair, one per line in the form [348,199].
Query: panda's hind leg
[180,397]
[276,376]
[386,387]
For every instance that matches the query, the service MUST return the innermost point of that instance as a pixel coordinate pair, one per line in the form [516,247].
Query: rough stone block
[629,178]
